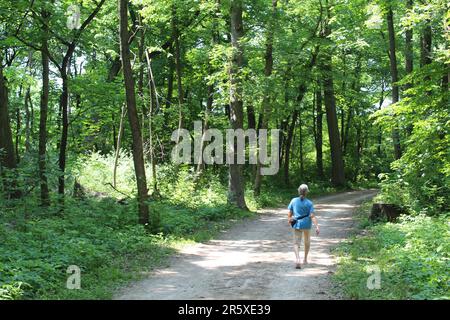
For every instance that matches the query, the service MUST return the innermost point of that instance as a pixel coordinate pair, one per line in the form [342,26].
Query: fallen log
[387,211]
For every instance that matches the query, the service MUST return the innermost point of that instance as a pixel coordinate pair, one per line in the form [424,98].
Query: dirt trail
[255,260]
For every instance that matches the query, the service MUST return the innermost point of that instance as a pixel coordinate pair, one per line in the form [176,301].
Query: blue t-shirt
[301,208]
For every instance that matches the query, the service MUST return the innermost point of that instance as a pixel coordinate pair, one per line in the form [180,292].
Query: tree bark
[209,92]
[64,104]
[178,67]
[300,138]
[356,87]
[265,108]
[394,76]
[409,56]
[380,131]
[140,86]
[43,111]
[301,93]
[119,139]
[28,106]
[287,150]
[64,70]
[337,161]
[138,152]
[7,154]
[18,136]
[251,117]
[236,179]
[319,131]
[426,45]
[154,102]
[170,79]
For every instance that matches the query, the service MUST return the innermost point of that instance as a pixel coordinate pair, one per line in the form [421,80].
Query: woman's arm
[314,220]
[290,214]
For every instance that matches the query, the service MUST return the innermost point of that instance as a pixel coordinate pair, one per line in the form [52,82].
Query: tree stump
[79,192]
[386,210]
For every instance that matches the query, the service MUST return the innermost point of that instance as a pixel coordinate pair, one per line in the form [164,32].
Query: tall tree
[137,147]
[394,77]
[265,108]
[178,66]
[337,161]
[302,89]
[7,154]
[409,54]
[236,178]
[64,69]
[426,41]
[319,129]
[43,111]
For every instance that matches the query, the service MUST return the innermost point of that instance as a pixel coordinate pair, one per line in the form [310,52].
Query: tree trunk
[287,150]
[64,104]
[64,98]
[409,56]
[358,150]
[337,161]
[7,156]
[119,139]
[356,87]
[426,45]
[284,127]
[170,79]
[140,86]
[43,111]
[236,179]
[138,152]
[301,93]
[209,92]
[265,108]
[153,102]
[300,138]
[178,68]
[380,131]
[319,130]
[251,117]
[394,76]
[284,122]
[209,104]
[28,106]
[18,136]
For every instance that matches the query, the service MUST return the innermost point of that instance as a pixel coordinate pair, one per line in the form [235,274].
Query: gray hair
[303,189]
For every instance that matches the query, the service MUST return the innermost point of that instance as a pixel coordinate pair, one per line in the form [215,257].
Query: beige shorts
[298,236]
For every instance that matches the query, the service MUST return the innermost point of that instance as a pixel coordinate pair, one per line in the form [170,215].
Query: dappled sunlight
[254,260]
[335,205]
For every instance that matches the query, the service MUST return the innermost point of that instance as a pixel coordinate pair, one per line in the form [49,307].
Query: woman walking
[300,218]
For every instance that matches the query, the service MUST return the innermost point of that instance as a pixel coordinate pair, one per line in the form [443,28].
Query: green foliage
[421,178]
[96,235]
[413,256]
[101,236]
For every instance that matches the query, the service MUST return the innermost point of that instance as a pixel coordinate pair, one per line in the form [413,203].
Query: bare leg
[307,245]
[297,242]
[297,254]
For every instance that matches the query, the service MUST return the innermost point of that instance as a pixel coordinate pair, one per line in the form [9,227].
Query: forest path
[255,259]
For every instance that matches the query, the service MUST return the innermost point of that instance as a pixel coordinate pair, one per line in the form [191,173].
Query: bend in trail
[255,259]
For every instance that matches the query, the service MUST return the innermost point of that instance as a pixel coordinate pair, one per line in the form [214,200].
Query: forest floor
[255,259]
